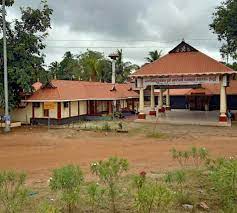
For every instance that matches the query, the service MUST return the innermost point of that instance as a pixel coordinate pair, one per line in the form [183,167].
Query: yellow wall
[39,111]
[53,113]
[74,108]
[64,111]
[83,107]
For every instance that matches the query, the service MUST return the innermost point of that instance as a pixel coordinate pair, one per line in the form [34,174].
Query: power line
[128,41]
[115,41]
[107,47]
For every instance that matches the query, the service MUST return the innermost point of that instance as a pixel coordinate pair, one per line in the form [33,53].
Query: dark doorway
[92,108]
[197,103]
[59,111]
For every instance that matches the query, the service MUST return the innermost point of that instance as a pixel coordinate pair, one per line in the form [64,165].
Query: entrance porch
[186,117]
[184,67]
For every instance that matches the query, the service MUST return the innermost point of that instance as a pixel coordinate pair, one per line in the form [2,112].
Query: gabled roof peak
[183,47]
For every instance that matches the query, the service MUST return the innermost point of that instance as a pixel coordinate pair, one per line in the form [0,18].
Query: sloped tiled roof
[207,89]
[63,90]
[183,61]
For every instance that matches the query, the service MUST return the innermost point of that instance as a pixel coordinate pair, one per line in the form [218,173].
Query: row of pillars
[161,109]
[142,114]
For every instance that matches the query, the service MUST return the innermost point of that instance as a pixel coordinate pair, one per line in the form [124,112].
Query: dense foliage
[25,41]
[7,2]
[225,26]
[90,66]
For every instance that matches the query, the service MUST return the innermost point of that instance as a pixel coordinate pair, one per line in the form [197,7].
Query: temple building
[187,78]
[64,101]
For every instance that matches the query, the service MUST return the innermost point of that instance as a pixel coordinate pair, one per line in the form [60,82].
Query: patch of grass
[157,135]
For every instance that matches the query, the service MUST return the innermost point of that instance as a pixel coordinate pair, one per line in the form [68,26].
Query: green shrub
[224,178]
[13,193]
[46,207]
[139,180]
[151,196]
[197,155]
[145,198]
[67,180]
[181,156]
[109,172]
[95,193]
[106,127]
[178,177]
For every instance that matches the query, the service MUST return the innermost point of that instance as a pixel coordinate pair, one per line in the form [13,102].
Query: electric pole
[114,57]
[7,117]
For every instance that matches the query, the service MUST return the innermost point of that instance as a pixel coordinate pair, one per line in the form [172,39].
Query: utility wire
[106,47]
[122,41]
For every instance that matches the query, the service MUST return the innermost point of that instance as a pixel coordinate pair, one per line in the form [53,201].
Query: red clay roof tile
[81,90]
[183,63]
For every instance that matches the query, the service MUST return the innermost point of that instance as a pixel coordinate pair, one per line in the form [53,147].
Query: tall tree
[225,26]
[153,56]
[25,42]
[8,2]
[91,65]
[123,69]
[54,69]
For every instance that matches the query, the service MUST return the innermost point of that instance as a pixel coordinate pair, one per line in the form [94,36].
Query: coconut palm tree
[54,69]
[153,56]
[123,69]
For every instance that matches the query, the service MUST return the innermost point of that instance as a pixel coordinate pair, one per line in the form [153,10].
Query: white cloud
[166,22]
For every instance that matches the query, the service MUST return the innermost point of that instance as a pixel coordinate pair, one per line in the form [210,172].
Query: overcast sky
[153,24]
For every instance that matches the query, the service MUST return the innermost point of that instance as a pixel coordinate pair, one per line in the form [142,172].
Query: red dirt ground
[37,151]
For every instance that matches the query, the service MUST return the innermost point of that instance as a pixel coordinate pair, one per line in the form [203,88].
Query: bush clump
[13,193]
[195,156]
[151,196]
[109,172]
[224,179]
[67,180]
[95,194]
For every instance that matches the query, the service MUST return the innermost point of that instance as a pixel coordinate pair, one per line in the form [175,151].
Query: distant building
[66,101]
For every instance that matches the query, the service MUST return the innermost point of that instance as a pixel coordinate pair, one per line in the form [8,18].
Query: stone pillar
[141,114]
[152,110]
[168,100]
[160,104]
[223,102]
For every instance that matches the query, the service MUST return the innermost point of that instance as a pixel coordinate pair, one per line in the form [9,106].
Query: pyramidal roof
[183,60]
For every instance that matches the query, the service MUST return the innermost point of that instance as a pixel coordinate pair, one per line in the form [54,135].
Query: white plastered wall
[74,108]
[83,107]
[22,115]
[64,111]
